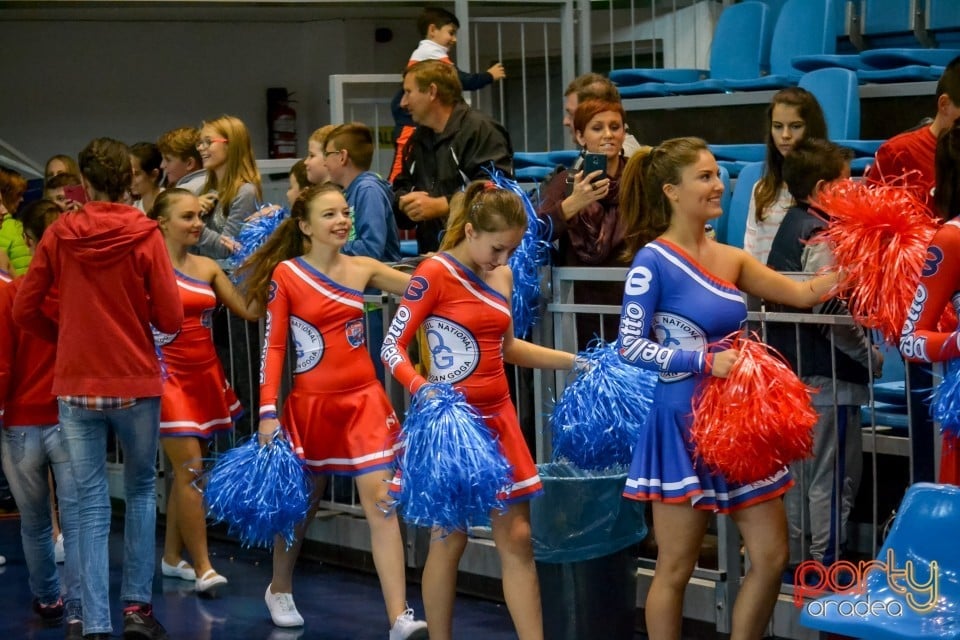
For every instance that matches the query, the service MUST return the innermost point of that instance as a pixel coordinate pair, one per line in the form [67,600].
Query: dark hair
[809,162]
[299,173]
[946,196]
[435,17]
[816,127]
[949,82]
[440,74]
[165,200]
[105,163]
[593,85]
[150,158]
[357,139]
[487,208]
[286,242]
[646,173]
[37,216]
[62,180]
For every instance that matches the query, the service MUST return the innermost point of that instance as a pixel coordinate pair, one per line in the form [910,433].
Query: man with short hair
[347,155]
[907,159]
[453,145]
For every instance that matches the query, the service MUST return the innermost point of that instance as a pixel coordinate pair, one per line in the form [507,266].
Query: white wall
[71,81]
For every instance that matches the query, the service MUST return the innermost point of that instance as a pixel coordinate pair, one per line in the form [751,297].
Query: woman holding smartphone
[584,208]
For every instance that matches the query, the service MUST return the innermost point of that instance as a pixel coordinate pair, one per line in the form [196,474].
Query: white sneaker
[406,627]
[59,555]
[282,609]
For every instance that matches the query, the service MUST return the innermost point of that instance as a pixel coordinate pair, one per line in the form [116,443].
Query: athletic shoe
[50,614]
[406,627]
[283,611]
[139,624]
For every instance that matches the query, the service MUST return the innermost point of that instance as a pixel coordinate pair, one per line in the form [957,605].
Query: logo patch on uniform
[676,332]
[206,318]
[416,288]
[354,331]
[272,291]
[454,352]
[308,343]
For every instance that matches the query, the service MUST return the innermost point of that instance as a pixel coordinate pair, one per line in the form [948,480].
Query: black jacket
[443,164]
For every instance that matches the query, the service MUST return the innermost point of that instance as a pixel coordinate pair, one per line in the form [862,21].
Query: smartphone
[75,192]
[595,162]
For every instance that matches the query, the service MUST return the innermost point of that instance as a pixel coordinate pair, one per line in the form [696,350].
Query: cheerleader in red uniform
[337,415]
[461,297]
[921,340]
[197,401]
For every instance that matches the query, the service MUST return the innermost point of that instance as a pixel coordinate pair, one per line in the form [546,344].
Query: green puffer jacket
[11,241]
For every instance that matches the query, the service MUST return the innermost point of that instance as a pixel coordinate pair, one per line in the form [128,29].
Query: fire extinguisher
[281,124]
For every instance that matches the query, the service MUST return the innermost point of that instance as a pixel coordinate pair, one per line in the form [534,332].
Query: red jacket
[26,368]
[111,268]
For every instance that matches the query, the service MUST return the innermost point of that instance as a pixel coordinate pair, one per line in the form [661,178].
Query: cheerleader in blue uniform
[681,296]
[197,401]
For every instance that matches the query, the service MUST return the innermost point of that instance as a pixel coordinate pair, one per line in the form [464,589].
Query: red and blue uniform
[197,400]
[921,341]
[464,320]
[337,414]
[673,309]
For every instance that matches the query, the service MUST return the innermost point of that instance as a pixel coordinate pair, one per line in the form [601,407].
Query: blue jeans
[137,429]
[27,454]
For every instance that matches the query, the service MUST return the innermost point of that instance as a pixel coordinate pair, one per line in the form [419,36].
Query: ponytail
[487,207]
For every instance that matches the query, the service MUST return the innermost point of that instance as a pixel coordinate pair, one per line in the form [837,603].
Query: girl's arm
[526,354]
[386,278]
[419,300]
[274,349]
[762,281]
[227,293]
[920,340]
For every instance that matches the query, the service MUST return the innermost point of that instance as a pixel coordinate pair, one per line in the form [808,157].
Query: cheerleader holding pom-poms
[922,339]
[197,401]
[337,414]
[682,296]
[461,297]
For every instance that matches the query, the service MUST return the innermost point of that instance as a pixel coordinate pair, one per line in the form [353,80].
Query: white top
[759,236]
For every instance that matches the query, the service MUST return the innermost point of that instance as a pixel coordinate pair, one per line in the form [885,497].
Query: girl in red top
[197,400]
[337,415]
[921,340]
[461,297]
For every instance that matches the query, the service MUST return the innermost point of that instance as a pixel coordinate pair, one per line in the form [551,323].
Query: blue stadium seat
[532,174]
[805,27]
[740,49]
[524,159]
[733,167]
[926,521]
[736,223]
[739,152]
[836,91]
[942,21]
[720,224]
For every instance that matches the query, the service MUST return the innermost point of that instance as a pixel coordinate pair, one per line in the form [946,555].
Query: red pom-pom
[879,237]
[755,421]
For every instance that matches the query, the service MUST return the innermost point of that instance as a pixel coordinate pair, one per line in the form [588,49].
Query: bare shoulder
[501,280]
[204,268]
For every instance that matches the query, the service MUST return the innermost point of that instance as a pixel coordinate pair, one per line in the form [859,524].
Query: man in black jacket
[452,145]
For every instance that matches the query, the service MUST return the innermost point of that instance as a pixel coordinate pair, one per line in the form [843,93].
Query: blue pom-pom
[259,491]
[946,399]
[532,254]
[597,420]
[452,471]
[256,231]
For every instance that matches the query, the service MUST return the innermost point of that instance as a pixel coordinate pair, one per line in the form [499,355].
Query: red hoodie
[26,368]
[110,265]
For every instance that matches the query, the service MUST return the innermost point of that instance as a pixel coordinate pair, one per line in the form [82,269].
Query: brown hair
[181,143]
[593,85]
[357,139]
[165,200]
[37,216]
[241,162]
[442,75]
[487,208]
[105,163]
[286,242]
[946,196]
[69,162]
[12,187]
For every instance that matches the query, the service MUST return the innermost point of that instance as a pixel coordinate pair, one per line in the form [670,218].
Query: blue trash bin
[582,533]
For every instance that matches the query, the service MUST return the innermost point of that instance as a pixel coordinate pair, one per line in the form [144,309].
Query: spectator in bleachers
[314,162]
[682,296]
[584,210]
[182,165]
[147,182]
[453,144]
[12,188]
[593,86]
[298,181]
[232,190]
[835,362]
[60,164]
[33,441]
[923,340]
[54,190]
[438,30]
[348,155]
[793,114]
[197,401]
[908,158]
[108,263]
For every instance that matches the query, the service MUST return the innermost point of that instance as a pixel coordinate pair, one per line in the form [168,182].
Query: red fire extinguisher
[281,124]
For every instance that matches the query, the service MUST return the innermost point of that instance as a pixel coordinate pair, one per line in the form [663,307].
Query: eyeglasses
[331,152]
[204,143]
